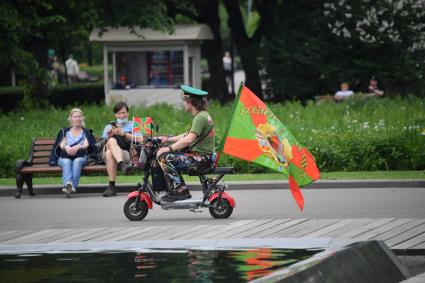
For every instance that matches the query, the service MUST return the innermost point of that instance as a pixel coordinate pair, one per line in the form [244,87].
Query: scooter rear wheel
[224,210]
[135,213]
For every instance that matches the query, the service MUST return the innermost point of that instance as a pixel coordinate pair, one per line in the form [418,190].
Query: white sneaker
[69,188]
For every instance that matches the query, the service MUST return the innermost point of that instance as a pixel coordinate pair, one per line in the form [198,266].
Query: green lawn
[240,177]
[359,135]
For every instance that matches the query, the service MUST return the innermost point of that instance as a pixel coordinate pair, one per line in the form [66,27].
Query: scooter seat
[216,170]
[224,170]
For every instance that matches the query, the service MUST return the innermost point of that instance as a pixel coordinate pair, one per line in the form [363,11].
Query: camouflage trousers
[175,163]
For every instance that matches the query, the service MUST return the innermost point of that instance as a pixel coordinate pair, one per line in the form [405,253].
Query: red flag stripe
[296,192]
[253,105]
[309,166]
[238,148]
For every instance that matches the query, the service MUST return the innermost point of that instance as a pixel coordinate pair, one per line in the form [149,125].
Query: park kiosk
[143,66]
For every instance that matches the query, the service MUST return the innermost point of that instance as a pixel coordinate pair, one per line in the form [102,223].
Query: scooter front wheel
[135,213]
[223,210]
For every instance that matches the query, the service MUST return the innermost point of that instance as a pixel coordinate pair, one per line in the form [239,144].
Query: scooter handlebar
[155,140]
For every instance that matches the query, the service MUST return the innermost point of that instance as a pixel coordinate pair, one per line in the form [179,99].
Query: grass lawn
[359,135]
[361,175]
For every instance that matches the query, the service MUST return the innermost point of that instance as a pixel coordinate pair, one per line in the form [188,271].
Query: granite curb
[237,185]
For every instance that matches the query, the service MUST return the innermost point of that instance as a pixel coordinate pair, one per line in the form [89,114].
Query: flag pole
[228,125]
[132,131]
[152,128]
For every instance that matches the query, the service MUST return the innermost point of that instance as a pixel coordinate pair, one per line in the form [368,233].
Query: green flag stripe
[233,111]
[270,163]
[299,175]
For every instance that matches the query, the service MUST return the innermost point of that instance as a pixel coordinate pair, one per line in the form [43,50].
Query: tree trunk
[38,78]
[216,90]
[249,49]
[249,55]
[207,13]
[217,87]
[89,50]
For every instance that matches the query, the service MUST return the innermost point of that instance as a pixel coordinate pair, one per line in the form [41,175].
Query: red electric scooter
[219,203]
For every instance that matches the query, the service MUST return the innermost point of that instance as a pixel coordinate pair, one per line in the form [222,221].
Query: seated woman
[373,89]
[71,150]
[343,93]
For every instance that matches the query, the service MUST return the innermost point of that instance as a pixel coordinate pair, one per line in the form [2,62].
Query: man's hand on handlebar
[163,150]
[155,140]
[164,139]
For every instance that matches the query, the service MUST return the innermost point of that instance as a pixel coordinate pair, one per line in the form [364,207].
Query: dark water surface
[149,265]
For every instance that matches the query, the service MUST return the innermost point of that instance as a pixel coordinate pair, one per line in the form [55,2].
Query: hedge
[379,134]
[12,98]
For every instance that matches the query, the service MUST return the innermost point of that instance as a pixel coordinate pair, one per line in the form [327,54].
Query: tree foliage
[249,43]
[304,48]
[29,28]
[245,33]
[392,30]
[314,46]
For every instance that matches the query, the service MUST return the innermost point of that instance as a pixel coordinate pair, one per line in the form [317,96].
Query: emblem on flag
[142,125]
[255,134]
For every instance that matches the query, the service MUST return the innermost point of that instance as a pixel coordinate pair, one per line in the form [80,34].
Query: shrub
[94,71]
[12,98]
[76,94]
[377,134]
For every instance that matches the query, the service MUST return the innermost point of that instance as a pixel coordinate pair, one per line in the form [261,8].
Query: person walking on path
[72,69]
[227,65]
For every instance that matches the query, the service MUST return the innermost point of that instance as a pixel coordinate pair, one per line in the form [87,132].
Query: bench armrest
[21,164]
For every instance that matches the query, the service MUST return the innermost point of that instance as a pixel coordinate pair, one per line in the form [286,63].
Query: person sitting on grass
[373,89]
[343,93]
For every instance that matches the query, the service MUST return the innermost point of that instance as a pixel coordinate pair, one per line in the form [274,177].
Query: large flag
[142,125]
[255,134]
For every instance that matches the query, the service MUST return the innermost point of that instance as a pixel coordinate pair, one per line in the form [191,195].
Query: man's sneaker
[183,195]
[69,189]
[175,195]
[110,191]
[125,167]
[168,197]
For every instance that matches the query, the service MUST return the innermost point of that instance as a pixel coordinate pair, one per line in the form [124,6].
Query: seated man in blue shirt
[116,152]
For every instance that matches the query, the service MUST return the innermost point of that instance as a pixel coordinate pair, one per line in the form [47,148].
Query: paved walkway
[398,234]
[151,96]
[402,235]
[236,185]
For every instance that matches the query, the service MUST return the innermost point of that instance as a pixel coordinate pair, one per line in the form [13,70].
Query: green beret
[193,91]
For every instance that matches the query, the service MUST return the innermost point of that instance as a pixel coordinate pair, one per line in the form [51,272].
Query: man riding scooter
[191,151]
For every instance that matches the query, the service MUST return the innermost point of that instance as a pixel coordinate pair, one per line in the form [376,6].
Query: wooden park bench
[38,163]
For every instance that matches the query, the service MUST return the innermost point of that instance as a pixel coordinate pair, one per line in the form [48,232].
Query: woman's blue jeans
[71,169]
